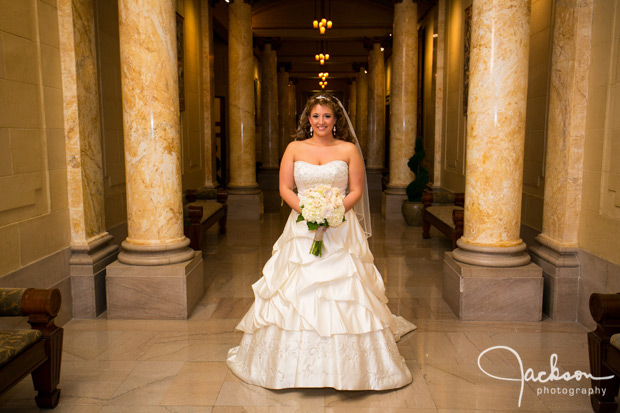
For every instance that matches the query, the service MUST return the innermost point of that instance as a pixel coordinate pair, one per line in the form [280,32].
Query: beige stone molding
[555,253]
[95,250]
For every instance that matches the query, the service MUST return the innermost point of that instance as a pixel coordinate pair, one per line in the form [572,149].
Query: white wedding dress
[321,321]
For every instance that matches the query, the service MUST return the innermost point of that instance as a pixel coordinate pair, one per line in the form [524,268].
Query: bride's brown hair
[342,128]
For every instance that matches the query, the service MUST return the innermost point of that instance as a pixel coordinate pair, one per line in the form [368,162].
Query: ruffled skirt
[321,321]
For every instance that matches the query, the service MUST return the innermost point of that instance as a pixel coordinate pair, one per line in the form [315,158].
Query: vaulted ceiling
[297,42]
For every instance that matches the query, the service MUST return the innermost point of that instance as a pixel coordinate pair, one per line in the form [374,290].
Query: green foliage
[416,187]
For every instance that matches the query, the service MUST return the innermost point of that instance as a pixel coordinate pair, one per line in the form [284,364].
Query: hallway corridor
[179,366]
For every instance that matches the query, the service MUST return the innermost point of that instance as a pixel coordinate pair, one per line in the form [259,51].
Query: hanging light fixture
[320,56]
[324,23]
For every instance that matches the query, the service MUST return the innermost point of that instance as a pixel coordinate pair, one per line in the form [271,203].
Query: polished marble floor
[179,366]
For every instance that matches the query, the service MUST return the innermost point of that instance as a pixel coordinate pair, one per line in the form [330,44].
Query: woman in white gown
[321,321]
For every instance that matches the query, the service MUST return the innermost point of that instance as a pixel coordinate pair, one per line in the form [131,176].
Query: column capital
[384,41]
[284,66]
[250,2]
[357,66]
[434,2]
[260,42]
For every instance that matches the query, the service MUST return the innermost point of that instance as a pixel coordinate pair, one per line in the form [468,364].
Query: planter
[412,212]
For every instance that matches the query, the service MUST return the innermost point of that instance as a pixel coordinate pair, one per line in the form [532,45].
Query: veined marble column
[157,275]
[361,122]
[208,92]
[244,200]
[353,101]
[268,180]
[488,276]
[284,132]
[91,250]
[292,110]
[556,251]
[375,158]
[403,105]
[269,104]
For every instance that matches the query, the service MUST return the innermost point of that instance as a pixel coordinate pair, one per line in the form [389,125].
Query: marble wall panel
[600,215]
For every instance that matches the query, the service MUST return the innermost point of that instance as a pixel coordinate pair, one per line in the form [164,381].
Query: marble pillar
[403,105]
[439,91]
[557,246]
[489,276]
[269,103]
[244,196]
[91,248]
[157,275]
[353,101]
[361,122]
[375,143]
[208,92]
[375,131]
[284,132]
[292,108]
[268,174]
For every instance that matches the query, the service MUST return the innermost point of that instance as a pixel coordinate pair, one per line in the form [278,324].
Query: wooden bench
[446,217]
[604,350]
[203,208]
[37,351]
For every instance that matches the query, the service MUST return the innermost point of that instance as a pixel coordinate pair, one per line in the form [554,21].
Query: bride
[322,321]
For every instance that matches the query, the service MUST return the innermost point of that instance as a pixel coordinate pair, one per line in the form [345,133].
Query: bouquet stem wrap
[317,245]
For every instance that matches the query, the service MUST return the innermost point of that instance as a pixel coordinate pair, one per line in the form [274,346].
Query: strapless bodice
[334,173]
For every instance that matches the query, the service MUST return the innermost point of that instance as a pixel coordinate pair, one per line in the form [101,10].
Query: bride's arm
[287,181]
[356,178]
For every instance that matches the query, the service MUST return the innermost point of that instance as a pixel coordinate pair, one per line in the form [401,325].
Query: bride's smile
[322,121]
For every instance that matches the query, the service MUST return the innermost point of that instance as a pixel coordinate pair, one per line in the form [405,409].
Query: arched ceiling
[290,23]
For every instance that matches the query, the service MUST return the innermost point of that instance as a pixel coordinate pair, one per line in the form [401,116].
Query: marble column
[557,245]
[403,105]
[353,101]
[91,248]
[284,131]
[292,109]
[375,131]
[361,121]
[268,174]
[244,196]
[157,275]
[375,158]
[439,91]
[489,276]
[269,119]
[208,92]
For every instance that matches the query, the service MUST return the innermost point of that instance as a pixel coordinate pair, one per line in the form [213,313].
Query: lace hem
[279,359]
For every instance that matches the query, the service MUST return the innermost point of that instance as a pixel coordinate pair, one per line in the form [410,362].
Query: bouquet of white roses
[321,207]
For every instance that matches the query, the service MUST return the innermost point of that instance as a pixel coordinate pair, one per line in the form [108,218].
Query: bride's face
[322,120]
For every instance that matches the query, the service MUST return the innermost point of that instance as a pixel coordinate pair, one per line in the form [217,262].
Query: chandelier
[325,22]
[323,82]
[322,55]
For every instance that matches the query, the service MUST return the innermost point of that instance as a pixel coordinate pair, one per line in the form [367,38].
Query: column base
[164,292]
[514,256]
[560,268]
[493,293]
[393,198]
[87,267]
[245,203]
[269,183]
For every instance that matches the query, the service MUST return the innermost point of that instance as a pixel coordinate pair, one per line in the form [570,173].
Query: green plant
[416,187]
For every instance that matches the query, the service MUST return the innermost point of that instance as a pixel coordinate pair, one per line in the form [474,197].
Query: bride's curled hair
[342,128]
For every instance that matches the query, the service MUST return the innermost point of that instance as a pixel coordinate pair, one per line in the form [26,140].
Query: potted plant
[412,206]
